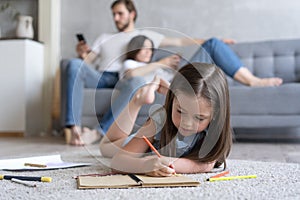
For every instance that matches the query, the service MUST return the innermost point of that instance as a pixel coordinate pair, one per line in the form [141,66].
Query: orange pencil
[221,174]
[151,146]
[153,149]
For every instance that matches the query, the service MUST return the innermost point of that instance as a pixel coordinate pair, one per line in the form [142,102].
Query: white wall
[246,20]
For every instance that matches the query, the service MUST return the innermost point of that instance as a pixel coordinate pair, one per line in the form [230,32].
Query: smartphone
[80,37]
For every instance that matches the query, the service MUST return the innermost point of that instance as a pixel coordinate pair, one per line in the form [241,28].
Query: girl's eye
[199,119]
[179,111]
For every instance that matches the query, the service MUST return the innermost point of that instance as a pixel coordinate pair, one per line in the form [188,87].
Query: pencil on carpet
[221,174]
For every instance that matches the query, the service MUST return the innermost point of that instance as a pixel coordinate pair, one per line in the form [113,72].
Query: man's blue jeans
[212,51]
[80,76]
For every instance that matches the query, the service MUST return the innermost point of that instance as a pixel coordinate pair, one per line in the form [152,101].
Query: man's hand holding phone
[82,48]
[80,37]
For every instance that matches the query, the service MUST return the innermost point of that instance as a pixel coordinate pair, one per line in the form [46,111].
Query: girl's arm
[143,70]
[168,41]
[168,62]
[123,125]
[187,166]
[112,142]
[130,160]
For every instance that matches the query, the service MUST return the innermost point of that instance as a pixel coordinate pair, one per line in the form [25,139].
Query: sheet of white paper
[52,162]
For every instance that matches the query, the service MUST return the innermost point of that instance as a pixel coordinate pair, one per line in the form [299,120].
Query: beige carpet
[274,181]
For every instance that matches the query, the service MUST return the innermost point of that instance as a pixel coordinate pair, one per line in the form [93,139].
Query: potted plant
[8,7]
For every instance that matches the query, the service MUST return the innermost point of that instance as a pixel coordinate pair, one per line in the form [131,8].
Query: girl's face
[190,114]
[145,54]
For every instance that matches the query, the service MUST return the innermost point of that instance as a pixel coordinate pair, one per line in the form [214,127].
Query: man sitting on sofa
[110,47]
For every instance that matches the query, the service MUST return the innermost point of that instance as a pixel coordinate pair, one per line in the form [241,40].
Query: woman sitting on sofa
[138,57]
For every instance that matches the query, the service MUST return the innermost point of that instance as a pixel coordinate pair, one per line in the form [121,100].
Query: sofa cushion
[282,100]
[97,102]
[265,121]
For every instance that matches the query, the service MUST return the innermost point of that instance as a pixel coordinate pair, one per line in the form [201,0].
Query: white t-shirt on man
[111,48]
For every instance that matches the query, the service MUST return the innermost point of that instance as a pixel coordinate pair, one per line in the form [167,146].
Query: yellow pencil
[228,178]
[35,165]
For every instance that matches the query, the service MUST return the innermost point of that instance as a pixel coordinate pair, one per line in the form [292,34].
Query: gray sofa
[251,108]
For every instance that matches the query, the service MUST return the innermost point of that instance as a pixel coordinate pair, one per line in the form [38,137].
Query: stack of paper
[49,162]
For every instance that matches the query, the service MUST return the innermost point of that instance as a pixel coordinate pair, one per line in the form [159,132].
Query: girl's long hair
[135,45]
[208,82]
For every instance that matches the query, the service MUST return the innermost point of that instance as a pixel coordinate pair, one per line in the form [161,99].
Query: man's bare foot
[76,136]
[90,136]
[264,82]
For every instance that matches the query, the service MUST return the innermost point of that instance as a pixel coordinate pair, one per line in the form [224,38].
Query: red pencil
[151,146]
[221,174]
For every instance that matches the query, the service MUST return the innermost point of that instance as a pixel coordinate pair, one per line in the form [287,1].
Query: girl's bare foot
[146,94]
[90,136]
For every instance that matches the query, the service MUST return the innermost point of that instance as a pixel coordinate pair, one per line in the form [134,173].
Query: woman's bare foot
[243,75]
[90,136]
[76,136]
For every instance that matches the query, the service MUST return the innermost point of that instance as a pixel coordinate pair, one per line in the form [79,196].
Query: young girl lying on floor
[192,131]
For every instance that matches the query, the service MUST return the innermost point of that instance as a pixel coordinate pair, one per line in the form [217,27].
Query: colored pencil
[23,182]
[153,149]
[26,178]
[221,174]
[151,146]
[228,178]
[35,165]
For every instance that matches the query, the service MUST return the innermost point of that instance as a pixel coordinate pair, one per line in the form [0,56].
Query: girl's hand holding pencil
[159,166]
